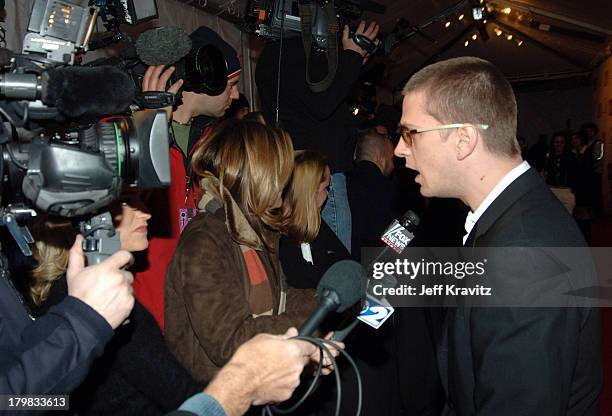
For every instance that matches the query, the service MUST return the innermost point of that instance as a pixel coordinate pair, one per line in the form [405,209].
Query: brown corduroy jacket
[209,308]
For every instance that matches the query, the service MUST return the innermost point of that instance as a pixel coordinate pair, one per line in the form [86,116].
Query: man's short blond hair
[470,90]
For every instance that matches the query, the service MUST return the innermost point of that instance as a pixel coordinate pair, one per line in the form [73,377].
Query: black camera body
[265,17]
[85,170]
[60,28]
[73,170]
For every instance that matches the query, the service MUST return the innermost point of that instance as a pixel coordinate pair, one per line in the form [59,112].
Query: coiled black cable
[321,343]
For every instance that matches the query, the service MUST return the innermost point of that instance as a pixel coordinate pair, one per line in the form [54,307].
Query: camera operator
[173,207]
[53,354]
[318,121]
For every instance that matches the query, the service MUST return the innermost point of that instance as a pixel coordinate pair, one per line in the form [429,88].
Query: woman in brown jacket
[225,283]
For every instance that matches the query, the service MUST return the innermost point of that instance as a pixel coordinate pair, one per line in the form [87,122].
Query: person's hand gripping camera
[359,41]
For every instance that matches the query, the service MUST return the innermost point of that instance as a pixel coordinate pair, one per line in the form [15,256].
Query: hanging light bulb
[484,21]
[507,10]
[519,43]
[447,24]
[509,37]
[474,36]
[498,31]
[466,43]
[461,16]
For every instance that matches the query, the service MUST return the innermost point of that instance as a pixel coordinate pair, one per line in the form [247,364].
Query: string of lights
[480,10]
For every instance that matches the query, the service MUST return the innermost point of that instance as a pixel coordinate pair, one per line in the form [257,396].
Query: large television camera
[60,28]
[96,146]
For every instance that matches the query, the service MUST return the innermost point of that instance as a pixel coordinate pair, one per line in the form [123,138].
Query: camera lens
[135,148]
[206,70]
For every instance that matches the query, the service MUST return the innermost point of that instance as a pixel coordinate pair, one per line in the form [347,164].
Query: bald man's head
[376,148]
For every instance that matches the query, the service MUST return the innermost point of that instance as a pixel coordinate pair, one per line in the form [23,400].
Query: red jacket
[164,232]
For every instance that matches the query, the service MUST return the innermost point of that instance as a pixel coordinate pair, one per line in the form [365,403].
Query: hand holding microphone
[396,237]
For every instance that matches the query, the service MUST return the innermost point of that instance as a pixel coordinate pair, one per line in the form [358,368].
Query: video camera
[77,170]
[60,28]
[265,17]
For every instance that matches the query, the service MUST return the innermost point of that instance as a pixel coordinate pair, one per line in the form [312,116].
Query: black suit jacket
[524,361]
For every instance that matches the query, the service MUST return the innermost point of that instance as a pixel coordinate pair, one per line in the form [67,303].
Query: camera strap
[332,43]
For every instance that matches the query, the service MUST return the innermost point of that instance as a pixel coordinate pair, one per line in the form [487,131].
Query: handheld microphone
[399,233]
[163,45]
[397,236]
[339,289]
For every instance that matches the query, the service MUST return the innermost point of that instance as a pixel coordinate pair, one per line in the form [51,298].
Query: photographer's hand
[105,287]
[156,79]
[371,32]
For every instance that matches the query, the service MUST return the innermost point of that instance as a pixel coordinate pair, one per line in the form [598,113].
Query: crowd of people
[257,212]
[572,165]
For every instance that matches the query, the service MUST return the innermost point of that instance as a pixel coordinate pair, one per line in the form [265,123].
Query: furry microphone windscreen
[88,91]
[163,45]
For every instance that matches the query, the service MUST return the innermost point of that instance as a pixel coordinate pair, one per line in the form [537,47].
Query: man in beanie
[172,208]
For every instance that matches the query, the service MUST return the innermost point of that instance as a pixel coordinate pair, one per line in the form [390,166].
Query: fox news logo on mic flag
[397,237]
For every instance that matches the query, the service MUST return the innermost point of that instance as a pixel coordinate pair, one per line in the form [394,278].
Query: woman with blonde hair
[225,284]
[137,374]
[308,246]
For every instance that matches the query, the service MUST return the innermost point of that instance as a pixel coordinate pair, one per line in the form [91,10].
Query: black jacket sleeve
[53,354]
[319,105]
[323,104]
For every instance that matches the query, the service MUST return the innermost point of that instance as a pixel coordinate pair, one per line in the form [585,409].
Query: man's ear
[466,141]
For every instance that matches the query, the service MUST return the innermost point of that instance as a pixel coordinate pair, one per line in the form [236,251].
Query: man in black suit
[459,133]
[371,190]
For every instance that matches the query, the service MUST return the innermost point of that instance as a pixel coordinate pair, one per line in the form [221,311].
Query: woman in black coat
[137,374]
[308,246]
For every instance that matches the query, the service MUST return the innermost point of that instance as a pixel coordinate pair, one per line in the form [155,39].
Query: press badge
[186,215]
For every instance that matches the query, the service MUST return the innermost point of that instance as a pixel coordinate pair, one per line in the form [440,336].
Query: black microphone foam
[88,91]
[345,278]
[410,220]
[163,45]
[339,289]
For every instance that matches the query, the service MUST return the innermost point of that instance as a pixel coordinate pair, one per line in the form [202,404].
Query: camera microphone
[74,91]
[88,91]
[163,46]
[203,69]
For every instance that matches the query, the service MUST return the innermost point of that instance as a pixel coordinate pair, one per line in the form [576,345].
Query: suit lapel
[517,189]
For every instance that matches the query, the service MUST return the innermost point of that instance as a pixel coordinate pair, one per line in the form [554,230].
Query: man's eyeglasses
[408,134]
